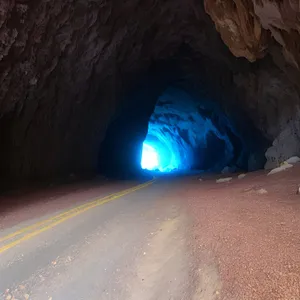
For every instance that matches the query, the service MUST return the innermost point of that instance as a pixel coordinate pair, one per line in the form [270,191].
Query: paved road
[131,247]
[176,238]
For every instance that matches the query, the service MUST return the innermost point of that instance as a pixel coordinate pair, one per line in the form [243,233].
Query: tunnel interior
[175,126]
[208,85]
[185,135]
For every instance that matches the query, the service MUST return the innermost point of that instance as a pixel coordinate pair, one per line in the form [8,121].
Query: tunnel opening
[87,83]
[176,119]
[188,134]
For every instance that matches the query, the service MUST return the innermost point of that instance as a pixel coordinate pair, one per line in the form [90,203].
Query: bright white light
[149,158]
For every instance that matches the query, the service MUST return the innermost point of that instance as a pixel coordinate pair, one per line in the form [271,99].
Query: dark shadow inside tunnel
[170,126]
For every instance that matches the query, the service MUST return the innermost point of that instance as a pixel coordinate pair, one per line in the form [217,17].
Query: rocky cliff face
[255,29]
[68,68]
[250,27]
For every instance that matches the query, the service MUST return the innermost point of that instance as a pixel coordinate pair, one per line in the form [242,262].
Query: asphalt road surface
[173,238]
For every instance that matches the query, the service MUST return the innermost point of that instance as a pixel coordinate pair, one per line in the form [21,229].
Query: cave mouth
[76,96]
[187,134]
[173,121]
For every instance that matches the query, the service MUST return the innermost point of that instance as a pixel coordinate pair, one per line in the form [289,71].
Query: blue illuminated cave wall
[180,128]
[188,133]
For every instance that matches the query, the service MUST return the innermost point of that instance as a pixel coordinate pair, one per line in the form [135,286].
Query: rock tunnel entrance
[187,133]
[171,125]
[77,93]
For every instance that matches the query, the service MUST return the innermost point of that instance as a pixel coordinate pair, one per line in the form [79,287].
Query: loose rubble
[262,191]
[221,180]
[293,160]
[280,169]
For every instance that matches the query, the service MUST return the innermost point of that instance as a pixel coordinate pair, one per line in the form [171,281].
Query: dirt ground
[248,229]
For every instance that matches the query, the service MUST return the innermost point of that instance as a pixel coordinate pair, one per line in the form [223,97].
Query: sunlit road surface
[174,238]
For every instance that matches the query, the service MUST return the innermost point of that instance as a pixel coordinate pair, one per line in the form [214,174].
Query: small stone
[262,191]
[6,291]
[33,81]
[22,287]
[26,296]
[241,176]
[220,180]
[292,160]
[280,169]
[200,179]
[298,190]
[8,297]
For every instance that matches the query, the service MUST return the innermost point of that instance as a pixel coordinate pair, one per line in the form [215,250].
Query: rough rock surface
[252,29]
[239,27]
[65,67]
[249,27]
[196,134]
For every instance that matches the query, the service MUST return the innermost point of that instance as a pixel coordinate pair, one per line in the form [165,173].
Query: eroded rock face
[273,104]
[194,131]
[249,27]
[239,27]
[198,135]
[281,18]
[65,67]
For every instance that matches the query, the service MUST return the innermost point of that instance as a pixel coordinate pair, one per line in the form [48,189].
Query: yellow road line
[28,228]
[53,221]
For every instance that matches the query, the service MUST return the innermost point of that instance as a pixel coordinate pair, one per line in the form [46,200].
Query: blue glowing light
[178,132]
[149,157]
[156,156]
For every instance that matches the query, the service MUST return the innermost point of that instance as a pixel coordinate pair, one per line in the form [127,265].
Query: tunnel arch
[69,70]
[198,135]
[183,121]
